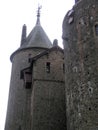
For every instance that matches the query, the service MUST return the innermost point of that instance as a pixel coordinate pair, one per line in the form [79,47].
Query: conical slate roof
[38,38]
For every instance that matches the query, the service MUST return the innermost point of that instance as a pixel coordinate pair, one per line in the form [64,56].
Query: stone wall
[48,95]
[19,98]
[81,65]
[41,106]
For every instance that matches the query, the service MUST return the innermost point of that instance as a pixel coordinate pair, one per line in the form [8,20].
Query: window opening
[28,79]
[96,29]
[48,67]
[63,68]
[19,128]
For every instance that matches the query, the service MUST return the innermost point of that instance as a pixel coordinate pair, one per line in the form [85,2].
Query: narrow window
[96,29]
[63,68]
[48,67]
[28,79]
[19,128]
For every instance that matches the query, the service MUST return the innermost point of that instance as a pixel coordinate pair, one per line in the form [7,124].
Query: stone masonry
[52,88]
[80,39]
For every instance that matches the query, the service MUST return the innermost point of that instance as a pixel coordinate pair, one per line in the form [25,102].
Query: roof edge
[21,49]
[46,52]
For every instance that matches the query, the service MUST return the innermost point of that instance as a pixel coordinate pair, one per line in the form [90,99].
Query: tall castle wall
[19,98]
[48,95]
[41,105]
[80,39]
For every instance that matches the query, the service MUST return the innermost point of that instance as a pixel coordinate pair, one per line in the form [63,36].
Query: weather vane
[38,15]
[38,11]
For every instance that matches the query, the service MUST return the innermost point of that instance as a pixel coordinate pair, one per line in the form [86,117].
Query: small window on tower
[48,67]
[63,68]
[19,128]
[28,79]
[96,29]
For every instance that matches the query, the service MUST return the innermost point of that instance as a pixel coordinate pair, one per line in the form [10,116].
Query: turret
[37,89]
[80,38]
[18,112]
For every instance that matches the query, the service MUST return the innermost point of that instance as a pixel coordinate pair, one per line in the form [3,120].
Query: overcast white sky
[15,13]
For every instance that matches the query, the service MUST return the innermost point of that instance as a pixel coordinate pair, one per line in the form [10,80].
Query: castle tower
[80,39]
[36,95]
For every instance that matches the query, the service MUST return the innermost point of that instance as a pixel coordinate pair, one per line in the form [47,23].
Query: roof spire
[38,15]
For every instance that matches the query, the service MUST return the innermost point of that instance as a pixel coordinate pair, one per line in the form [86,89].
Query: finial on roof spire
[38,15]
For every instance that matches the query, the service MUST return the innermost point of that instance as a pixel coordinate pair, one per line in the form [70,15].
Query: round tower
[18,112]
[80,40]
